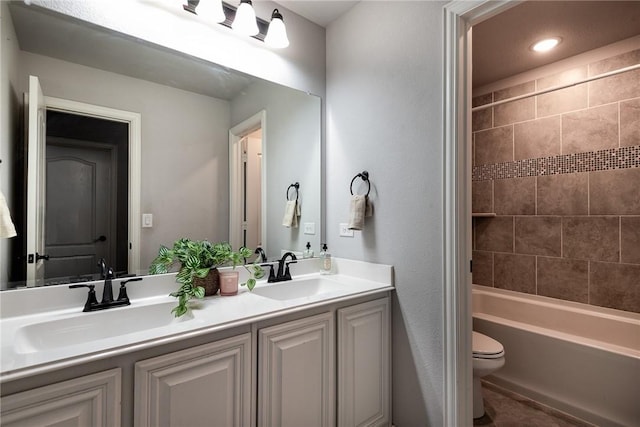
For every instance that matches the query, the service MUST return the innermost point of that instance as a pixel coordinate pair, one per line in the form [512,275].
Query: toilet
[488,356]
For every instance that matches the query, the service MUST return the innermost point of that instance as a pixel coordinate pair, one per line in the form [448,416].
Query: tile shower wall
[561,172]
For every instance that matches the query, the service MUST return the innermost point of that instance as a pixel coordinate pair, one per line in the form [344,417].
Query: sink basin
[295,289]
[92,326]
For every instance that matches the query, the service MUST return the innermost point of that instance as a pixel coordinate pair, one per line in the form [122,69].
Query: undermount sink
[86,327]
[295,289]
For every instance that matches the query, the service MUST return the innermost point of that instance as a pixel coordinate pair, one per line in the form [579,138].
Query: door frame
[134,120]
[236,133]
[459,17]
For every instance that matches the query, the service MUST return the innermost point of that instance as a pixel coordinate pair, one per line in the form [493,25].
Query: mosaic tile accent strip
[614,158]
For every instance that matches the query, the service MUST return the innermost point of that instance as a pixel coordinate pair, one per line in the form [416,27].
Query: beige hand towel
[291,214]
[357,211]
[7,229]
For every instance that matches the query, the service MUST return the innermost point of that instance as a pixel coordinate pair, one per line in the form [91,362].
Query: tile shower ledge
[353,279]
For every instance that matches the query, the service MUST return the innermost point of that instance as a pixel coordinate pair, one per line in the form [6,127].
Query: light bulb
[546,44]
[211,10]
[277,33]
[245,20]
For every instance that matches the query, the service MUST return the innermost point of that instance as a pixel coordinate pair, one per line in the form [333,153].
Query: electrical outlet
[309,228]
[344,230]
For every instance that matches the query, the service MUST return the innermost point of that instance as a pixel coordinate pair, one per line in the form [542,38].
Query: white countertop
[23,308]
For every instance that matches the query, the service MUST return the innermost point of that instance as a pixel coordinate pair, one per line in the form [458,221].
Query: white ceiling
[322,12]
[501,44]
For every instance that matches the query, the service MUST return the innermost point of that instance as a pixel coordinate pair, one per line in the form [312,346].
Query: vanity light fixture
[245,20]
[546,45]
[277,33]
[209,10]
[242,20]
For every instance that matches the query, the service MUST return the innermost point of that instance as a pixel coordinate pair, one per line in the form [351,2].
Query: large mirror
[218,150]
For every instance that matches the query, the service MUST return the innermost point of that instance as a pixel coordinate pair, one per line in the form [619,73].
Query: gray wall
[185,172]
[384,114]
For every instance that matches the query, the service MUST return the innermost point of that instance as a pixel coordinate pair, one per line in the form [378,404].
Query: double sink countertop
[43,329]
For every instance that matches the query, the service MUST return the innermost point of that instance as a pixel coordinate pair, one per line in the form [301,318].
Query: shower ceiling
[501,43]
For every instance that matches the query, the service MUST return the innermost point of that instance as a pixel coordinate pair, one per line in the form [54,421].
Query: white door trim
[459,16]
[135,157]
[236,133]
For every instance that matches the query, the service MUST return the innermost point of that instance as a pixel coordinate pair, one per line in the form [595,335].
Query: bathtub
[579,359]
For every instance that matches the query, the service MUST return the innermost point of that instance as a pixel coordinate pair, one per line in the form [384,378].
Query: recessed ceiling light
[546,44]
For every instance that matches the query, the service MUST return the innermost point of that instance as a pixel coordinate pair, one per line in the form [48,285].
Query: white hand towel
[291,214]
[7,229]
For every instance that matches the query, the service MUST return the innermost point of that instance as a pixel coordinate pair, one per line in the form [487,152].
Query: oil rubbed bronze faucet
[92,303]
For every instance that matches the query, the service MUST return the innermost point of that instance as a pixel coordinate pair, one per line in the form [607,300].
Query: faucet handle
[122,295]
[91,297]
[272,276]
[287,273]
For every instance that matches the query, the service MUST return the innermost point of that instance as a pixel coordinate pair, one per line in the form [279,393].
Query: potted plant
[198,274]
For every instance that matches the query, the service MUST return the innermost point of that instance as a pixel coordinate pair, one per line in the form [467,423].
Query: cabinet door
[208,385]
[92,400]
[364,364]
[296,373]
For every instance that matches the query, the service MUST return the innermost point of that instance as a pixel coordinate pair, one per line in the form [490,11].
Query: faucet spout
[107,291]
[283,273]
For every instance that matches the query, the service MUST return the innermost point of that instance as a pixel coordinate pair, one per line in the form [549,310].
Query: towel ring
[296,186]
[365,177]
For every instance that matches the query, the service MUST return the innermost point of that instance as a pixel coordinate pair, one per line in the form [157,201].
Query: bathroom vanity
[311,351]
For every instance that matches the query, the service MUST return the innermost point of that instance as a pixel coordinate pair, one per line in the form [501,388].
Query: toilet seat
[485,347]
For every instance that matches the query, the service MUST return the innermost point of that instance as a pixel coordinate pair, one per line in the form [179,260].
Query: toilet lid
[485,347]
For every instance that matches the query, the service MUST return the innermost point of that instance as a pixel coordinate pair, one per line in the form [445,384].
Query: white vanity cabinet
[364,362]
[296,373]
[92,400]
[207,385]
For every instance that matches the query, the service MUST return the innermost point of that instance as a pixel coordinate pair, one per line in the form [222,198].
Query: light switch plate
[309,228]
[344,230]
[147,220]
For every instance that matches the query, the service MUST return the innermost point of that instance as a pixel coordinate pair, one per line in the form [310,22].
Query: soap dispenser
[325,260]
[308,253]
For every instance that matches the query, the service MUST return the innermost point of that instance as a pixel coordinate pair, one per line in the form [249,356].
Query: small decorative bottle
[308,253]
[325,260]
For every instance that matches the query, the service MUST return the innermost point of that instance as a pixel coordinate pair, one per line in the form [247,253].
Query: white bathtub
[580,359]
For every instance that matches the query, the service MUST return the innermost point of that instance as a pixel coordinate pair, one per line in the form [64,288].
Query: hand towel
[291,214]
[356,212]
[7,229]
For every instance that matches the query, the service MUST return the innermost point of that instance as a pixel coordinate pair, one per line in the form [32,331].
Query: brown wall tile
[494,234]
[566,279]
[537,138]
[590,130]
[615,88]
[482,196]
[481,119]
[630,123]
[538,235]
[615,62]
[517,90]
[479,100]
[483,268]
[515,111]
[630,240]
[614,192]
[515,196]
[515,272]
[563,100]
[615,286]
[594,237]
[494,145]
[565,194]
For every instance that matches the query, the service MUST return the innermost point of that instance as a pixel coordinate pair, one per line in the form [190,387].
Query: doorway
[86,196]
